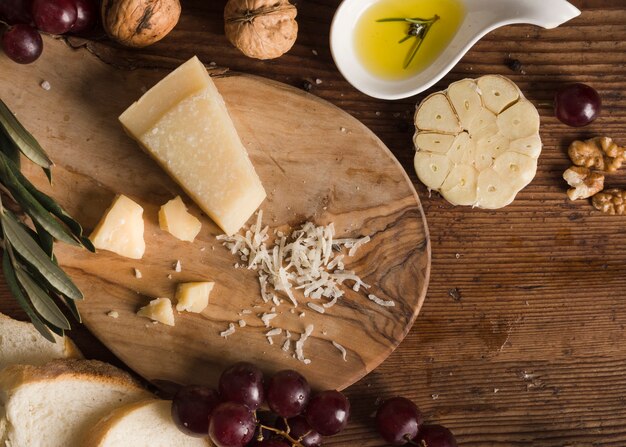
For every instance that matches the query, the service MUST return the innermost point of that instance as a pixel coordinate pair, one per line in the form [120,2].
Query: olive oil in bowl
[396,39]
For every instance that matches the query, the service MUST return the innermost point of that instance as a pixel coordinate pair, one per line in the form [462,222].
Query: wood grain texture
[316,162]
[542,310]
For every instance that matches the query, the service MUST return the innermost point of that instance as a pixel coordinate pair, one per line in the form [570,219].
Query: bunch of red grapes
[25,19]
[231,416]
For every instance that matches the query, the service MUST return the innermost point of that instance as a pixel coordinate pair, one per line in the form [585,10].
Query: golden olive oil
[378,46]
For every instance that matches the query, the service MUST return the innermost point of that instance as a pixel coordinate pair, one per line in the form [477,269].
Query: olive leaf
[26,246]
[9,148]
[31,206]
[71,304]
[16,291]
[23,139]
[52,206]
[46,241]
[43,304]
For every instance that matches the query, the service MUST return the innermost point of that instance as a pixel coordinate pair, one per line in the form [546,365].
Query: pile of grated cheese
[309,259]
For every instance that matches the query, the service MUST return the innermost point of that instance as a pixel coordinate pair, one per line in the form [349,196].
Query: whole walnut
[139,23]
[262,29]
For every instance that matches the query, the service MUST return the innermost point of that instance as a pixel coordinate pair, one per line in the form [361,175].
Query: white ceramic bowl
[481,17]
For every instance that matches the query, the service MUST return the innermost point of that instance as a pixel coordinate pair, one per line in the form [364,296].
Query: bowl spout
[545,13]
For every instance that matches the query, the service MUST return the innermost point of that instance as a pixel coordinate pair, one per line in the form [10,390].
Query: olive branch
[30,268]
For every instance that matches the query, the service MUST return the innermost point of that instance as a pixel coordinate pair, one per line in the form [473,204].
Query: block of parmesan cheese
[183,123]
[120,229]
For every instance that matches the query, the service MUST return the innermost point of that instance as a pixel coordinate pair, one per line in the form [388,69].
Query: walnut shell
[139,23]
[262,29]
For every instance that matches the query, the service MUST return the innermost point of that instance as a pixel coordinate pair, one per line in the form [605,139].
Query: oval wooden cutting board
[316,162]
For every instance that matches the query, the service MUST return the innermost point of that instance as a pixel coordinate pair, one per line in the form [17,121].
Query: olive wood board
[317,163]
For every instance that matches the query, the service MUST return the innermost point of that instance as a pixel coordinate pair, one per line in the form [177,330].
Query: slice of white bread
[56,405]
[141,424]
[20,343]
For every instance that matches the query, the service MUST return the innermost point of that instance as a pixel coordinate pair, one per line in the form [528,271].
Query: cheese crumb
[178,267]
[274,332]
[138,274]
[228,332]
[113,314]
[316,307]
[286,345]
[266,318]
[300,344]
[380,301]
[342,350]
[242,323]
[45,85]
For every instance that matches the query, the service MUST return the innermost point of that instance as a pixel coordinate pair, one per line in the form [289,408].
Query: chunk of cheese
[183,123]
[120,229]
[193,296]
[160,310]
[174,218]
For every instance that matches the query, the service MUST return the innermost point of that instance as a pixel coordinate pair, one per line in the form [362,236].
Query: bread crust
[14,376]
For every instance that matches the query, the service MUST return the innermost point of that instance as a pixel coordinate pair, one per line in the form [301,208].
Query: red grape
[22,43]
[15,11]
[398,420]
[435,436]
[577,105]
[287,393]
[299,429]
[242,383]
[86,15]
[54,16]
[328,412]
[192,407]
[231,425]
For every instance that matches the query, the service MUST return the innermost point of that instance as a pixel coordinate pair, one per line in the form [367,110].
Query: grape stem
[285,434]
[409,441]
[544,104]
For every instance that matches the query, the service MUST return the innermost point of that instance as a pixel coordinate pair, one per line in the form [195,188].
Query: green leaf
[32,207]
[9,276]
[72,305]
[43,304]
[34,255]
[46,241]
[51,205]
[23,138]
[9,148]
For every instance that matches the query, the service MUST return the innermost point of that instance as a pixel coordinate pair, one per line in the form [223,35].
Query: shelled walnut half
[600,152]
[584,183]
[611,201]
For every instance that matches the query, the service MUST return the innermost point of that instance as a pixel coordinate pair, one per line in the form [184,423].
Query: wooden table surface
[521,339]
